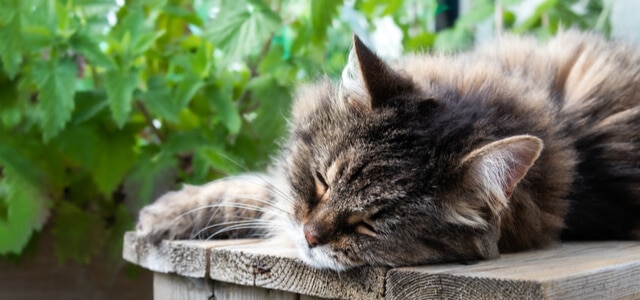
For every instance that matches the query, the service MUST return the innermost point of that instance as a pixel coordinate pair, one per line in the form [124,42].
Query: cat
[513,146]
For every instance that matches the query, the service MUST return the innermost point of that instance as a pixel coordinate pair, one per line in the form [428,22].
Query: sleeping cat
[437,158]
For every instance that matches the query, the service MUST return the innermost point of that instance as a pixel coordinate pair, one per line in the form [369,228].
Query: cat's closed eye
[362,225]
[321,185]
[365,228]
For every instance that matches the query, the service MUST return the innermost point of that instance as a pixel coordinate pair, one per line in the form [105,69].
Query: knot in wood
[261,269]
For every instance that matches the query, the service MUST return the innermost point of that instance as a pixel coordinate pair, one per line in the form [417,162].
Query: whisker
[269,203]
[273,188]
[235,162]
[212,216]
[246,221]
[237,227]
[252,222]
[262,209]
[263,180]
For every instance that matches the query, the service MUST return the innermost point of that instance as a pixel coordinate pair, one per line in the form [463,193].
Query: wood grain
[228,291]
[603,270]
[187,258]
[172,286]
[265,265]
[257,268]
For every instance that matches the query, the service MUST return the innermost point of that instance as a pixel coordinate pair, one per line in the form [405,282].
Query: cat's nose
[312,239]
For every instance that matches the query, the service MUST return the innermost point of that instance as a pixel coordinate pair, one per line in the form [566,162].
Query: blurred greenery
[105,104]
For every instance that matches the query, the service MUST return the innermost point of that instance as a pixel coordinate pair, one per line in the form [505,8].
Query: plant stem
[149,120]
[253,68]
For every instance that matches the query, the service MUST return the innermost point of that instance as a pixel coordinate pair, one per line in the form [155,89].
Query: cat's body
[440,158]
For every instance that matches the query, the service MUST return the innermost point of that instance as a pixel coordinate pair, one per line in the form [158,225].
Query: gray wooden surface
[255,269]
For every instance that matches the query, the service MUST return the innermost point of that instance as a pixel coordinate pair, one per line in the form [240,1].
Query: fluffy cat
[437,158]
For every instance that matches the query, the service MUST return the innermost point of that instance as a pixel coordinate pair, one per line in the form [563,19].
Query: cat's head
[382,173]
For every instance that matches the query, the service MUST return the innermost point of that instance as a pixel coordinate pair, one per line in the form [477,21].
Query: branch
[149,120]
[253,68]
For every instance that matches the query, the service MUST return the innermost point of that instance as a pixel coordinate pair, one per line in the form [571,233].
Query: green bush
[104,105]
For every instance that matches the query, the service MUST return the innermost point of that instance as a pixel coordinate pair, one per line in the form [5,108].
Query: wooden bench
[255,269]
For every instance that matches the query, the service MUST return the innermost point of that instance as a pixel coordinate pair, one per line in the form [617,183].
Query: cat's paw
[208,211]
[168,217]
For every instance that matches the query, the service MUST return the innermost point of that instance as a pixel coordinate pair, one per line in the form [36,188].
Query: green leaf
[453,39]
[90,104]
[151,176]
[113,157]
[36,37]
[145,41]
[322,12]
[421,41]
[77,145]
[534,19]
[120,85]
[39,27]
[218,159]
[186,89]
[157,98]
[222,101]
[25,209]
[83,43]
[94,2]
[378,8]
[78,234]
[183,13]
[128,29]
[481,11]
[11,37]
[242,27]
[55,80]
[508,19]
[183,142]
[200,63]
[168,103]
[188,120]
[274,101]
[24,155]
[14,159]
[10,104]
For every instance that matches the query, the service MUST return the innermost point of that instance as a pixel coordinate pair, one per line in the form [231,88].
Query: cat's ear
[367,81]
[498,167]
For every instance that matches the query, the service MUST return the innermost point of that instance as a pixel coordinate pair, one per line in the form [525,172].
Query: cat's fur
[441,157]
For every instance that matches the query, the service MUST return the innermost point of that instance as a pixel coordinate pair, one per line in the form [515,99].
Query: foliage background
[104,104]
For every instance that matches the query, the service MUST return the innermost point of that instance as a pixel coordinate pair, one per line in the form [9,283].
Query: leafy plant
[106,104]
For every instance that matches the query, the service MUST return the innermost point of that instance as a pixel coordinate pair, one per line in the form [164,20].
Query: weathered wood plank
[187,258]
[572,270]
[603,270]
[172,286]
[265,265]
[229,291]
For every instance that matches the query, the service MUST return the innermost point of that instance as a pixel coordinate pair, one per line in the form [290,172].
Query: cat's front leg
[233,207]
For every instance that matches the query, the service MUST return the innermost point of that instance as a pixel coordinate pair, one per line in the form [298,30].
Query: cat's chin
[319,257]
